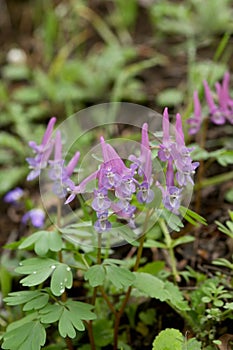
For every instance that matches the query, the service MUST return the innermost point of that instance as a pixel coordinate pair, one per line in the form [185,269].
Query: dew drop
[61,284]
[62,290]
[20,264]
[68,268]
[34,272]
[53,267]
[65,279]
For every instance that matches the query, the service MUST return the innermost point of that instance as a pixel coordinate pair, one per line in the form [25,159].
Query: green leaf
[32,299]
[62,278]
[70,314]
[150,285]
[95,275]
[175,296]
[11,142]
[170,97]
[28,95]
[43,241]
[192,344]
[16,72]
[164,291]
[39,270]
[51,313]
[227,230]
[153,268]
[103,332]
[10,177]
[192,217]
[229,196]
[225,158]
[29,336]
[182,240]
[119,276]
[172,220]
[167,339]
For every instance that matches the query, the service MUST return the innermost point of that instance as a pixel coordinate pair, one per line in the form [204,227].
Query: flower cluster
[177,158]
[220,105]
[119,187]
[58,172]
[117,184]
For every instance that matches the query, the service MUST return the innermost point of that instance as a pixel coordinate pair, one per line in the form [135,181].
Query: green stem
[215,180]
[68,340]
[201,168]
[90,329]
[170,249]
[127,295]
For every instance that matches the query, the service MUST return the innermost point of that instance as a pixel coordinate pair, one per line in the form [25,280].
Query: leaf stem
[127,295]
[170,249]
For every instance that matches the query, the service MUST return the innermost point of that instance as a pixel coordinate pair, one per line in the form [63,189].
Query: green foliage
[192,217]
[29,335]
[70,316]
[119,276]
[33,300]
[173,336]
[43,241]
[167,338]
[40,269]
[153,287]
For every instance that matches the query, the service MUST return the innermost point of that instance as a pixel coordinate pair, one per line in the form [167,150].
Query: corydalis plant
[179,167]
[219,103]
[117,184]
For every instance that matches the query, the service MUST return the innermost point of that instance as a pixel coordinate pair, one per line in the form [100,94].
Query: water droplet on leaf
[68,268]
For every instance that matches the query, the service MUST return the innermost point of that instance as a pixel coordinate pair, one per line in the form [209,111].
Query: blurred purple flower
[216,114]
[165,150]
[42,151]
[101,202]
[143,164]
[35,216]
[59,173]
[14,195]
[196,119]
[102,224]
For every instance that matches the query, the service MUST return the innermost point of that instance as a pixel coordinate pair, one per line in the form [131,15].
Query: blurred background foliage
[60,56]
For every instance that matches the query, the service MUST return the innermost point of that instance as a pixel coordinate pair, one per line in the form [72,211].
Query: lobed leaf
[61,278]
[119,276]
[70,315]
[95,275]
[43,241]
[153,287]
[167,339]
[32,299]
[28,336]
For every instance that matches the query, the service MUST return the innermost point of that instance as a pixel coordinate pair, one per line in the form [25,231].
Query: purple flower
[14,195]
[172,199]
[58,172]
[171,195]
[42,152]
[102,224]
[143,164]
[165,150]
[196,119]
[185,173]
[216,115]
[126,188]
[145,194]
[35,216]
[101,202]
